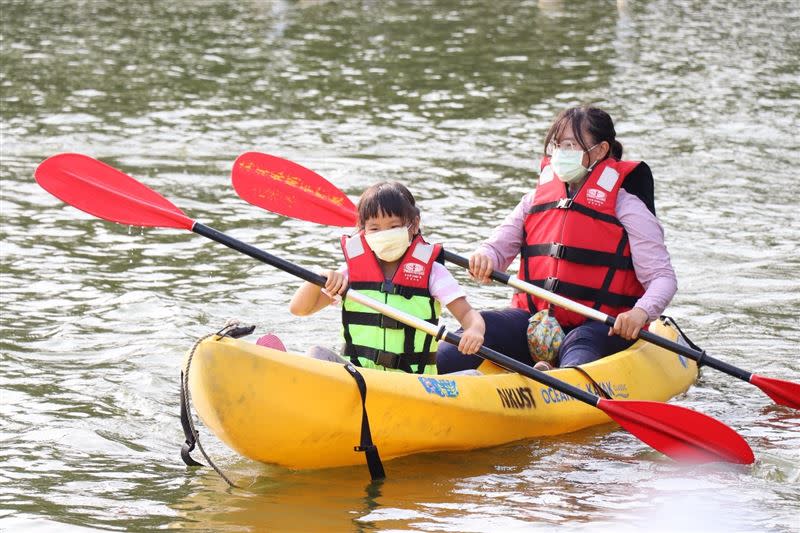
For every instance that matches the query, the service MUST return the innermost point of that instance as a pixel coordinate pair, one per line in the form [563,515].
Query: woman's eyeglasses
[565,145]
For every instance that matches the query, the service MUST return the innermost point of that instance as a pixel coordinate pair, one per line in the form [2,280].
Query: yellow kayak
[298,412]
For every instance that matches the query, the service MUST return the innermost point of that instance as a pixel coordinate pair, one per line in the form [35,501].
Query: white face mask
[389,245]
[568,165]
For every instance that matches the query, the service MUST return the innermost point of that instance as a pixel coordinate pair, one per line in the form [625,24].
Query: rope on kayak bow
[232,329]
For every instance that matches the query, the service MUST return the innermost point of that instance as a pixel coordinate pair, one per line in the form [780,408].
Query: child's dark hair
[593,120]
[388,198]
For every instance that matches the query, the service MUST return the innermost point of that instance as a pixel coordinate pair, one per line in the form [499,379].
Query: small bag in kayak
[544,337]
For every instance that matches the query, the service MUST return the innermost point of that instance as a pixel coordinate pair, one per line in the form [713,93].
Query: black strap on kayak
[189,431]
[370,450]
[669,320]
[600,390]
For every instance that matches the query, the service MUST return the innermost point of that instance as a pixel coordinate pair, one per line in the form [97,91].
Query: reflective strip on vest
[354,247]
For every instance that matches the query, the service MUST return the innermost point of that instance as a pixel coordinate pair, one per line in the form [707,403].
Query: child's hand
[336,283]
[471,321]
[471,340]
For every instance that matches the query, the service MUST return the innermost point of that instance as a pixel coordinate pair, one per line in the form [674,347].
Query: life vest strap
[584,256]
[568,203]
[394,361]
[574,291]
[370,319]
[388,287]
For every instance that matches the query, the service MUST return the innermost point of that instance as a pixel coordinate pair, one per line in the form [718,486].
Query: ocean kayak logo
[596,197]
[446,388]
[413,271]
[517,398]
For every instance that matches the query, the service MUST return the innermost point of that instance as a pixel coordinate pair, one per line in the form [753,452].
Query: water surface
[453,99]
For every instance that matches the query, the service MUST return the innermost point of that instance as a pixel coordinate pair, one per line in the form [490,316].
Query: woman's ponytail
[616,149]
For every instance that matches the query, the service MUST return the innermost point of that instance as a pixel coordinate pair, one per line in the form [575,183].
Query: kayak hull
[290,410]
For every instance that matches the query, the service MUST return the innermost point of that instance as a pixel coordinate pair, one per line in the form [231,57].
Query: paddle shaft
[594,314]
[439,332]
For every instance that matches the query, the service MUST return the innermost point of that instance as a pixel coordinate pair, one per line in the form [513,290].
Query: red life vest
[576,247]
[378,338]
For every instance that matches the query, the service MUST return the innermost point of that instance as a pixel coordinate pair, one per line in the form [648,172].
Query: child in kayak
[388,260]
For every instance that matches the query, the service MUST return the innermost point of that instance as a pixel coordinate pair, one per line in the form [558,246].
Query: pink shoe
[544,366]
[270,340]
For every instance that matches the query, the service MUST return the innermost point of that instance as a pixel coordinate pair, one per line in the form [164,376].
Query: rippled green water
[452,98]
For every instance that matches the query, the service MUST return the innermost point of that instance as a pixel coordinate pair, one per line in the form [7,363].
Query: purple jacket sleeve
[649,253]
[506,240]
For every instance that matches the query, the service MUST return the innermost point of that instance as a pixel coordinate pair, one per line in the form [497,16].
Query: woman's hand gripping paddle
[248,180]
[102,191]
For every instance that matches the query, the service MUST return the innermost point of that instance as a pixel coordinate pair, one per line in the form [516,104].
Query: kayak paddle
[253,182]
[102,191]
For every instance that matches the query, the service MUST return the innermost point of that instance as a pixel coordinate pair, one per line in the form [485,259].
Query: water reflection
[559,481]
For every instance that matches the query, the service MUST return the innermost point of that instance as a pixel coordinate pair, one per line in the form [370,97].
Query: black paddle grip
[261,255]
[521,368]
[463,262]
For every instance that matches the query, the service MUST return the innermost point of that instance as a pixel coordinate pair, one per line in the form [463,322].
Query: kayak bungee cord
[107,193]
[284,187]
[192,436]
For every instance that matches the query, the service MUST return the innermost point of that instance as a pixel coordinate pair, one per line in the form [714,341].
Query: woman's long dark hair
[388,198]
[591,120]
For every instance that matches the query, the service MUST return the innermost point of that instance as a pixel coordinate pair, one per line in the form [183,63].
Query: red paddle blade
[107,193]
[678,432]
[289,189]
[783,392]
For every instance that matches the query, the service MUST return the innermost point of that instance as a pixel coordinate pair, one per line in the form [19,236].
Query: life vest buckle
[387,359]
[551,284]
[389,323]
[388,287]
[564,203]
[556,250]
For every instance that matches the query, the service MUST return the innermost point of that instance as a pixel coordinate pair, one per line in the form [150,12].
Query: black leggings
[506,332]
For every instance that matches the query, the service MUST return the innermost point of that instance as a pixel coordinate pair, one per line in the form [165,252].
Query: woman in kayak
[388,260]
[589,233]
